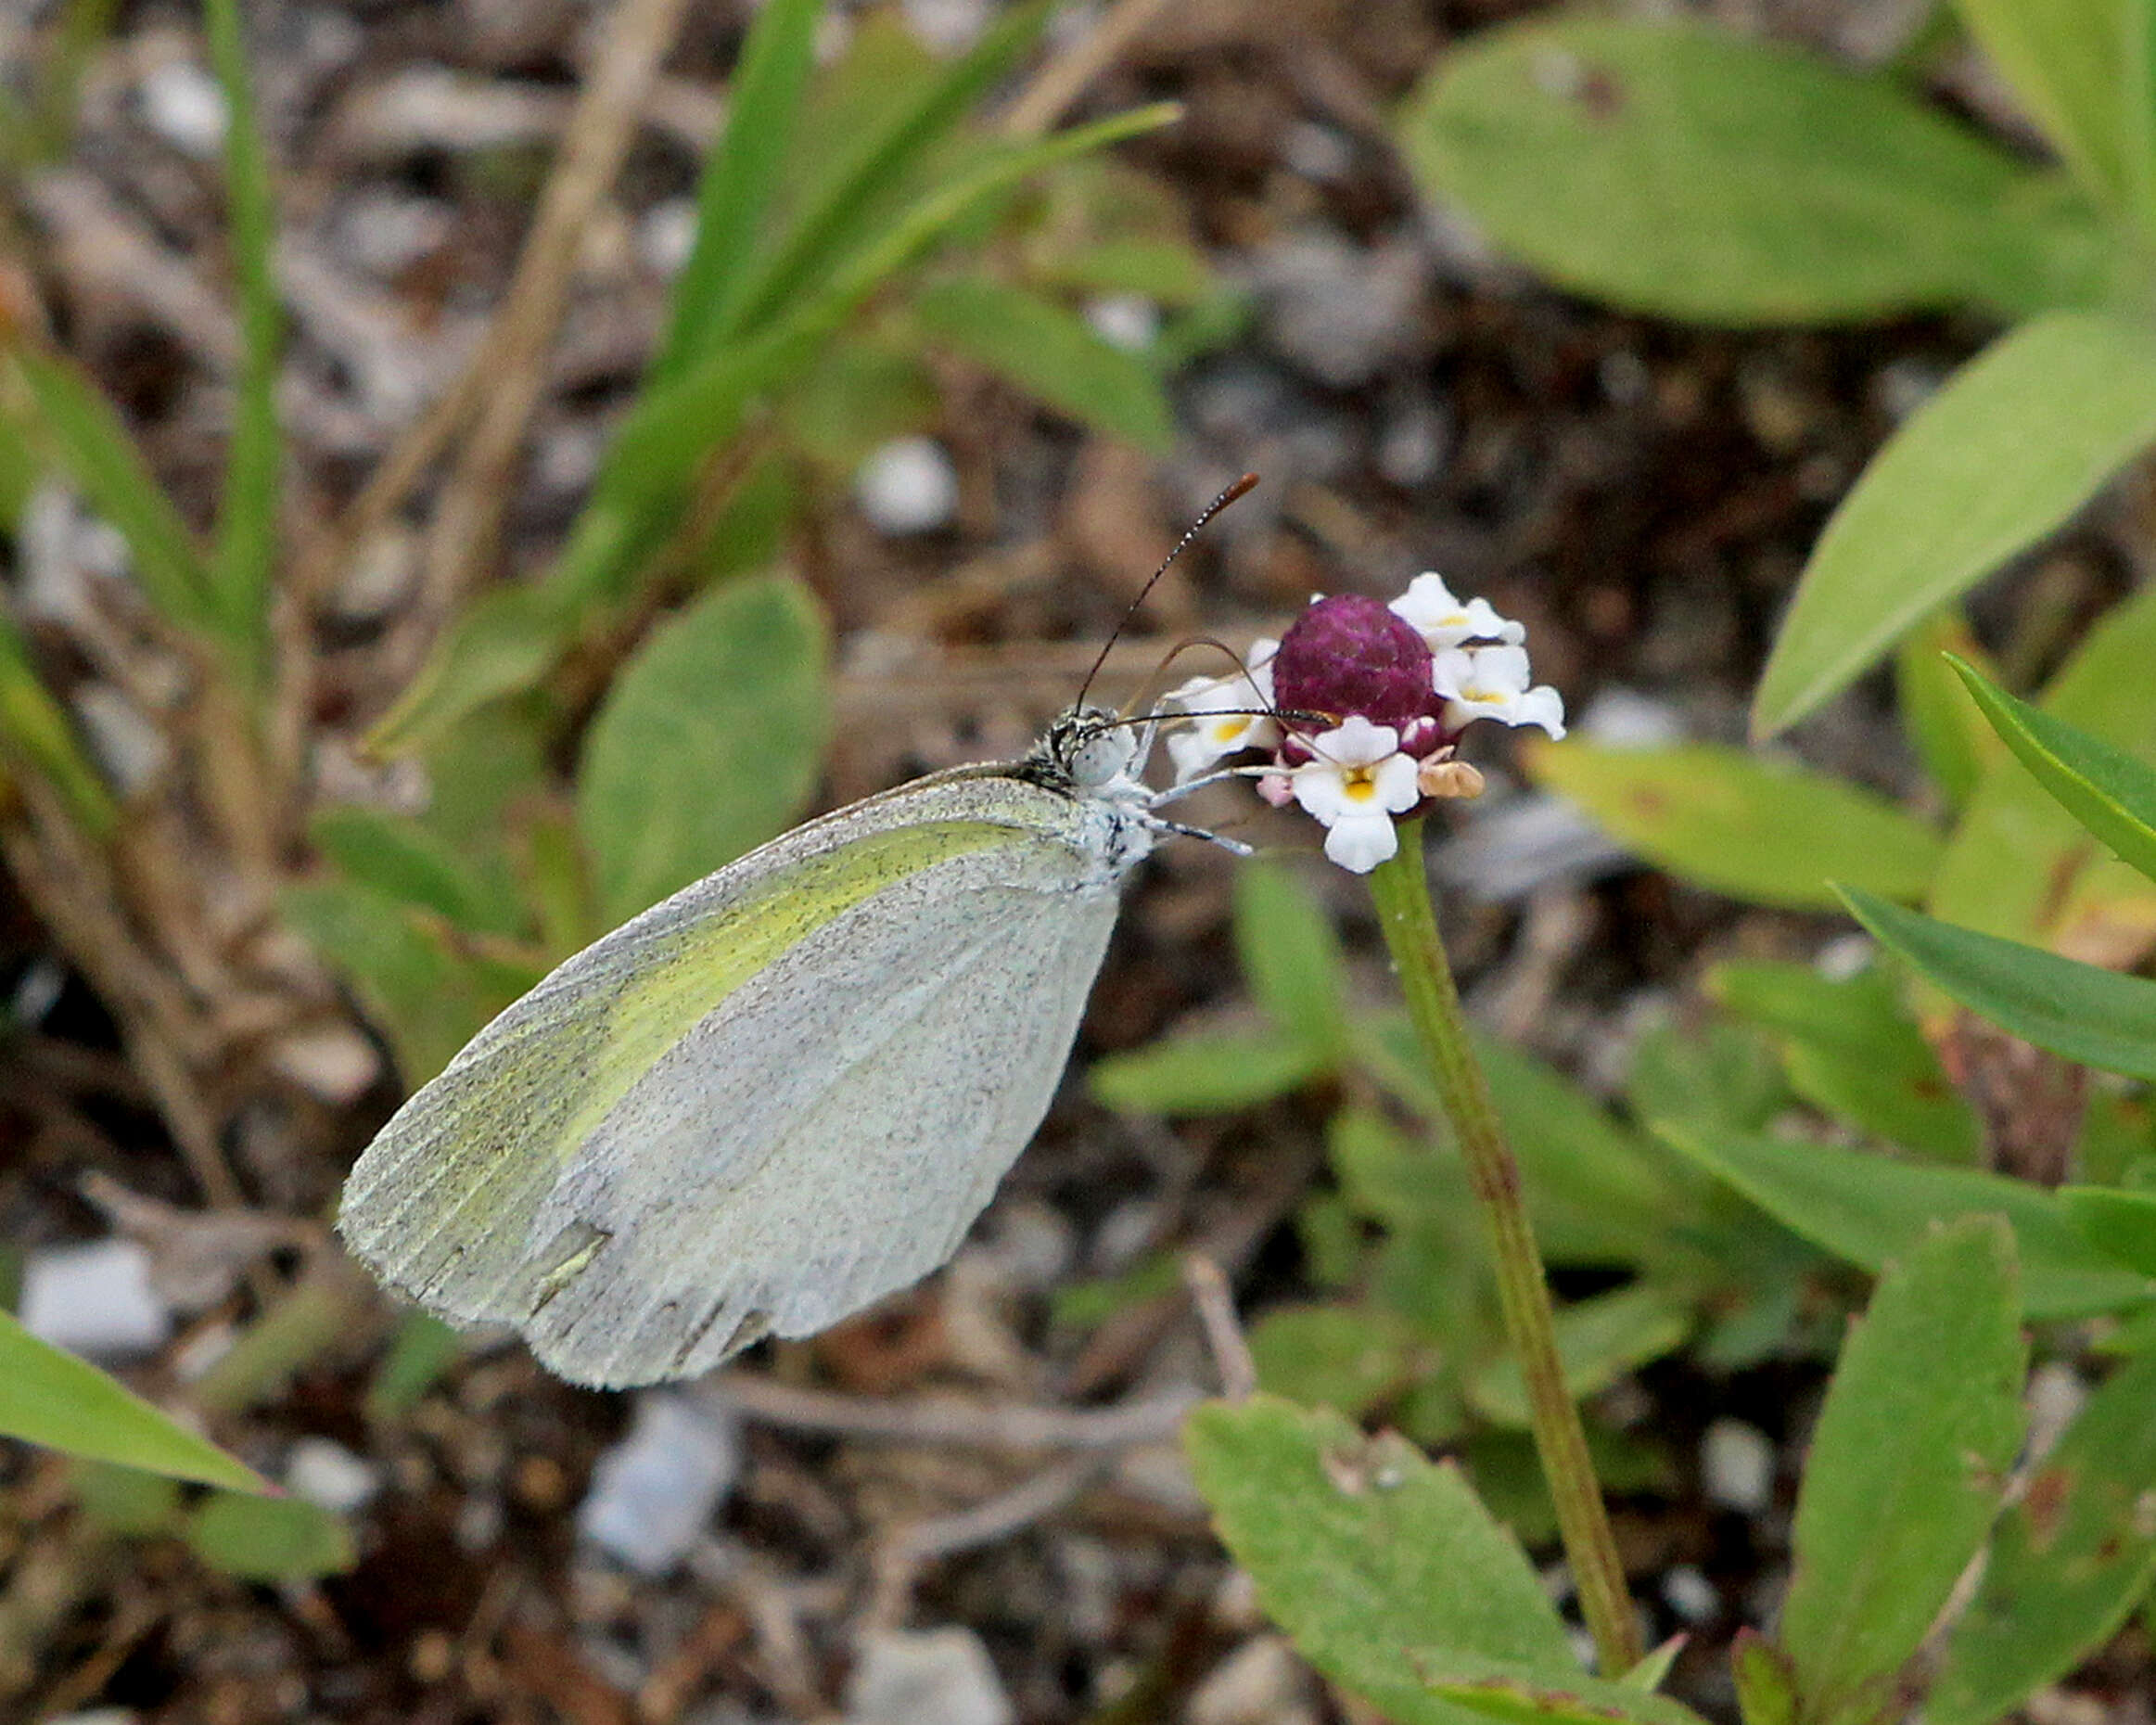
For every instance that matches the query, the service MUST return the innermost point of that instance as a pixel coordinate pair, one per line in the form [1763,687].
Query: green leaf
[403,859]
[1688,173]
[2122,1223]
[2017,865]
[1598,1340]
[51,1397]
[710,742]
[2013,445]
[1852,1051]
[1753,828]
[1290,955]
[2071,1557]
[245,563]
[1722,1074]
[1766,1685]
[740,175]
[1355,1358]
[1206,1072]
[1378,1565]
[270,1539]
[503,644]
[1597,1192]
[1563,1702]
[1943,724]
[124,1501]
[35,734]
[2109,792]
[421,1351]
[426,999]
[2064,59]
[1869,1210]
[2093,1015]
[883,154]
[1908,1465]
[64,411]
[1050,354]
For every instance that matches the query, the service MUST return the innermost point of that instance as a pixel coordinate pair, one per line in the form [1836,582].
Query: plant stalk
[1401,890]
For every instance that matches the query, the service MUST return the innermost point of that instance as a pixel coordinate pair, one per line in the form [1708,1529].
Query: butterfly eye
[1102,756]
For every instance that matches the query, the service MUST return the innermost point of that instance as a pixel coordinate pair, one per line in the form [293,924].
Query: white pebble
[653,1493]
[908,486]
[666,236]
[327,1474]
[941,1674]
[1736,1462]
[183,104]
[1129,321]
[1690,1594]
[94,1300]
[1262,1682]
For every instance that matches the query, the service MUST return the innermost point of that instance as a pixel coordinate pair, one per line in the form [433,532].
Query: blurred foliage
[1681,171]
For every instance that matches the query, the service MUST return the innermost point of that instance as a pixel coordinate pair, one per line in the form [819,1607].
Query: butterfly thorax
[1091,757]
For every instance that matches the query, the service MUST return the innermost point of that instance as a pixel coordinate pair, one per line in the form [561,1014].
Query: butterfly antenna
[1210,510]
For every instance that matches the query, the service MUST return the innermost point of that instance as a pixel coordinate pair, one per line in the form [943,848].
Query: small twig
[1059,83]
[947,1420]
[1215,1303]
[902,1557]
[636,38]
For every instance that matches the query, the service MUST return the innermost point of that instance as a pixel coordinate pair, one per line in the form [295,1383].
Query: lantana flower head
[1366,703]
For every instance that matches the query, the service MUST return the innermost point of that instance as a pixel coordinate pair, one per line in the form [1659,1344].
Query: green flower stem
[1401,890]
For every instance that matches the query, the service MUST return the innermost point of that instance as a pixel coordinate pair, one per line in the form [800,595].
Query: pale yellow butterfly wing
[762,1104]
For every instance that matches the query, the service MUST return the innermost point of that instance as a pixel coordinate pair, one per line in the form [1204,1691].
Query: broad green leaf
[2080,1011]
[1206,1072]
[2017,865]
[1598,1192]
[1751,826]
[1289,953]
[422,1351]
[858,396]
[245,562]
[1378,1563]
[428,1000]
[2065,60]
[1531,1702]
[1353,1358]
[1686,171]
[35,734]
[51,1397]
[1907,1463]
[1766,1685]
[2122,1223]
[124,1500]
[1944,725]
[269,1539]
[63,412]
[1722,1074]
[503,644]
[1870,1210]
[1598,1340]
[1852,1051]
[2109,792]
[710,742]
[2012,446]
[2070,1558]
[404,860]
[1050,354]
[763,103]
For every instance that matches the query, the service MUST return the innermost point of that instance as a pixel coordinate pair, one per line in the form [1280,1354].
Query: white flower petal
[1443,621]
[1396,781]
[1357,743]
[1541,704]
[1359,844]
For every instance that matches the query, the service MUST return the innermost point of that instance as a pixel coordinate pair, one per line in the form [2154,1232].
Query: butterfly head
[1091,748]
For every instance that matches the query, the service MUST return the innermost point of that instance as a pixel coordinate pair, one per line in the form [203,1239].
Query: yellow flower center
[1358,785]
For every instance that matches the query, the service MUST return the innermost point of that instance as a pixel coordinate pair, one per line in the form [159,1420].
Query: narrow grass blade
[65,414]
[247,529]
[765,103]
[51,1397]
[2080,1011]
[34,734]
[2106,789]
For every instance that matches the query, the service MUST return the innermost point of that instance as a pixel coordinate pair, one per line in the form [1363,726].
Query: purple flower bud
[1348,656]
